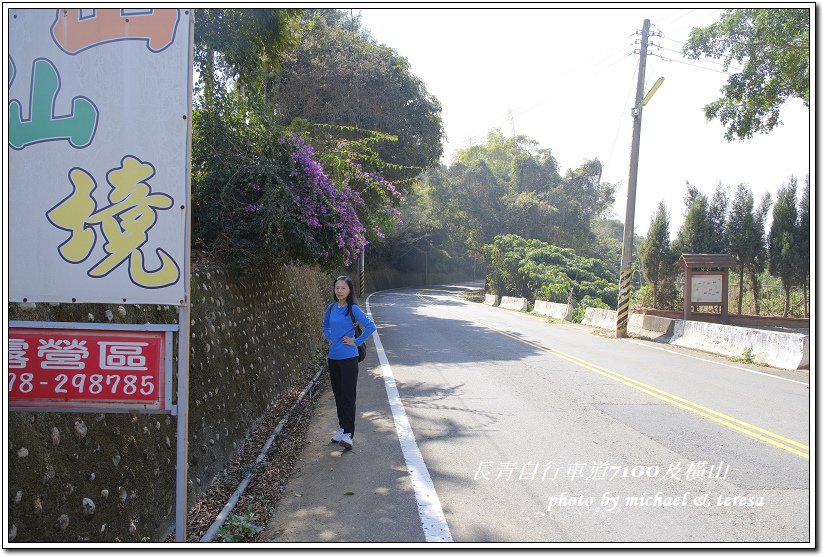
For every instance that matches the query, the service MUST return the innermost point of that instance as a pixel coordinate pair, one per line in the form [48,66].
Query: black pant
[343,375]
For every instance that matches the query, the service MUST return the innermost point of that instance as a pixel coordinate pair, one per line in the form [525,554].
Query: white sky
[569,79]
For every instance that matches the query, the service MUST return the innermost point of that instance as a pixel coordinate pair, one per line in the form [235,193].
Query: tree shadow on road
[420,339]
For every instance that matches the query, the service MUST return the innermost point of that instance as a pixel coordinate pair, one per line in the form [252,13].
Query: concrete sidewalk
[361,495]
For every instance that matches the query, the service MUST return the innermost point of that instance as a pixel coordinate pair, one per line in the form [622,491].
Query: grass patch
[474,295]
[746,357]
[554,321]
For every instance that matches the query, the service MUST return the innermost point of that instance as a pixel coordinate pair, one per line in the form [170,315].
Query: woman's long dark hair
[351,298]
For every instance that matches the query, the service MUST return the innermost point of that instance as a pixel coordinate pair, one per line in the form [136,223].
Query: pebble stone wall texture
[78,477]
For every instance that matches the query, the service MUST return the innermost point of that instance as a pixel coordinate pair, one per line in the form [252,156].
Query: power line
[621,119]
[671,40]
[621,58]
[708,61]
[683,15]
[687,64]
[702,16]
[611,60]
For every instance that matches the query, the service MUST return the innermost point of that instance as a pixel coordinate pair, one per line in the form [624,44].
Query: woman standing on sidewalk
[339,329]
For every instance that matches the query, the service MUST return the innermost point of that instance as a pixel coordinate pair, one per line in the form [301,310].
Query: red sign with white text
[80,368]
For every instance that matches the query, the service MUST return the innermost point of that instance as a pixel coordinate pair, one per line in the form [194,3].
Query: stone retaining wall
[90,477]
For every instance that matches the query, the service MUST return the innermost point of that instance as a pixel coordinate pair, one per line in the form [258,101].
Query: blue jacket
[338,324]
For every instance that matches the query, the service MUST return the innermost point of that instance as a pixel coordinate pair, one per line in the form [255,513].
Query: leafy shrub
[260,194]
[238,528]
[537,270]
[641,296]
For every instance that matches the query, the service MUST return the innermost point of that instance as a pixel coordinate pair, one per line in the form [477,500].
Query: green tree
[717,217]
[759,263]
[339,75]
[696,233]
[480,192]
[773,46]
[505,155]
[657,257]
[529,174]
[804,241]
[540,271]
[507,185]
[580,198]
[609,234]
[745,231]
[785,256]
[240,44]
[261,193]
[529,214]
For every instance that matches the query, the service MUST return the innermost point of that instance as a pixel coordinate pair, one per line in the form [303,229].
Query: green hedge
[536,270]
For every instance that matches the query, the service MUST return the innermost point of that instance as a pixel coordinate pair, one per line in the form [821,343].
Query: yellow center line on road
[735,424]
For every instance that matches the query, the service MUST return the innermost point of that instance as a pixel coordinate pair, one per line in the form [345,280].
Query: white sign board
[98,157]
[706,289]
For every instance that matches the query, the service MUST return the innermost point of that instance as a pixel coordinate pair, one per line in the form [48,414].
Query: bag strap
[352,315]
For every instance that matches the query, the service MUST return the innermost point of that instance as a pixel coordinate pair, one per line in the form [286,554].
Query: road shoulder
[358,496]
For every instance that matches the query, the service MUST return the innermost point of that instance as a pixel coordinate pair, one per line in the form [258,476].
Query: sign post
[103,95]
[706,282]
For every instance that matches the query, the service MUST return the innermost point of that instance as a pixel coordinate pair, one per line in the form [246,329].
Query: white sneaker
[337,436]
[346,440]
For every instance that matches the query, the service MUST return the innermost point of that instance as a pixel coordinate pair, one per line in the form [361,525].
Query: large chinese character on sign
[99,143]
[98,159]
[89,368]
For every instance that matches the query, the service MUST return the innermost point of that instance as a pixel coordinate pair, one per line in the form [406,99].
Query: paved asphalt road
[529,431]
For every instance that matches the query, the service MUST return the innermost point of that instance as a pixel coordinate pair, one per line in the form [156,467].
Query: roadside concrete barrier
[491,300]
[554,310]
[601,318]
[774,348]
[651,326]
[518,304]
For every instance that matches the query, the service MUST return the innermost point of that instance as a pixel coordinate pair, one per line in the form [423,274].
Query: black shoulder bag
[358,331]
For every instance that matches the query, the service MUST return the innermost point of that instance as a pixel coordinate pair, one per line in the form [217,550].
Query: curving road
[540,432]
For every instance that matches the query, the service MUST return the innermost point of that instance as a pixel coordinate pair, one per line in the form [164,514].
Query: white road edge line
[639,343]
[433,521]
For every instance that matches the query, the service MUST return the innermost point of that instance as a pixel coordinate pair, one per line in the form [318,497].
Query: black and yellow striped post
[623,303]
[361,272]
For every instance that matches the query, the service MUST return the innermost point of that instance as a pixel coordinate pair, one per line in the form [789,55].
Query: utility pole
[629,221]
